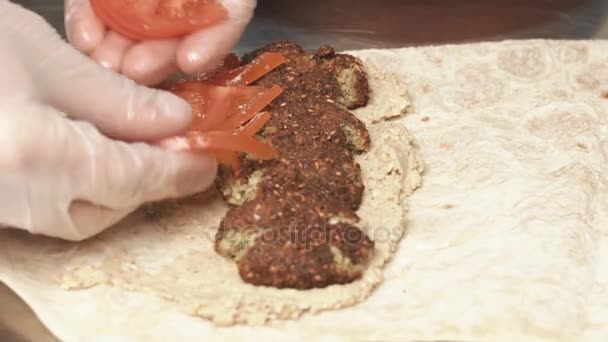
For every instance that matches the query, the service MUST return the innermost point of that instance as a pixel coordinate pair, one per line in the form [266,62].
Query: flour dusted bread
[505,238]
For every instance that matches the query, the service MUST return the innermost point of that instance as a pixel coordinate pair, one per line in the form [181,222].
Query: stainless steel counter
[357,24]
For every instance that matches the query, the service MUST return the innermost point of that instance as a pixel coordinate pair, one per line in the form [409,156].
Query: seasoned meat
[352,81]
[294,219]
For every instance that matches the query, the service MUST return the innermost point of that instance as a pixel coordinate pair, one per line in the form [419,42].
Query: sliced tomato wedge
[158,19]
[229,141]
[251,108]
[219,113]
[224,108]
[227,110]
[195,99]
[256,124]
[245,74]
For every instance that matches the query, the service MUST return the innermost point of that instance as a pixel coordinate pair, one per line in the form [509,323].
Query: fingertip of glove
[89,220]
[203,50]
[84,39]
[197,60]
[83,29]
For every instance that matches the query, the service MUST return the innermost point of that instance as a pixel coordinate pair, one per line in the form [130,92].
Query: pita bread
[505,239]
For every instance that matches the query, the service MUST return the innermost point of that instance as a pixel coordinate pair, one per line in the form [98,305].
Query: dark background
[356,24]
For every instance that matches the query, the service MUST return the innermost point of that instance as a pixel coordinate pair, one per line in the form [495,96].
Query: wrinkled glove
[150,62]
[59,175]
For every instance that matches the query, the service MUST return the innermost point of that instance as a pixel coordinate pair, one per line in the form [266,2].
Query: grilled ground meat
[293,220]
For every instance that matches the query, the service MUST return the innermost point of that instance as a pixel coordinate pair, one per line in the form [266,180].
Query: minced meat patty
[293,223]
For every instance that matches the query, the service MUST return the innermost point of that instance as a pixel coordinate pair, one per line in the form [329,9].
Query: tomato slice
[195,99]
[228,141]
[256,124]
[223,107]
[220,142]
[158,19]
[219,112]
[242,140]
[227,110]
[251,108]
[245,74]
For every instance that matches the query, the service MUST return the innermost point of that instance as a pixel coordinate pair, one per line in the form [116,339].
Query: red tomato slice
[256,124]
[246,74]
[228,141]
[245,136]
[195,99]
[227,111]
[225,145]
[219,113]
[250,109]
[158,19]
[221,104]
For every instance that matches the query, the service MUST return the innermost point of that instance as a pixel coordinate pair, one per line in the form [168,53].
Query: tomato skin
[227,110]
[249,109]
[245,74]
[231,142]
[137,22]
[226,120]
[223,108]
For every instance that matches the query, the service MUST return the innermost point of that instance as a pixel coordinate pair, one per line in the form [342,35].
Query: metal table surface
[358,24]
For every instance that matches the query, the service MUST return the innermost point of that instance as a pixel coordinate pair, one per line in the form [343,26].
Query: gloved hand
[150,62]
[59,175]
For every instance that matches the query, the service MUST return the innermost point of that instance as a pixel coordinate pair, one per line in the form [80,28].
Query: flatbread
[506,238]
[171,256]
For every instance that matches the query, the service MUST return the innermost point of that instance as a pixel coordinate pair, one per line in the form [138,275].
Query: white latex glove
[61,177]
[150,62]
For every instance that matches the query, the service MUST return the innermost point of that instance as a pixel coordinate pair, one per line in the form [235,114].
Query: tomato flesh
[248,110]
[158,19]
[245,74]
[229,141]
[256,124]
[227,110]
[225,107]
